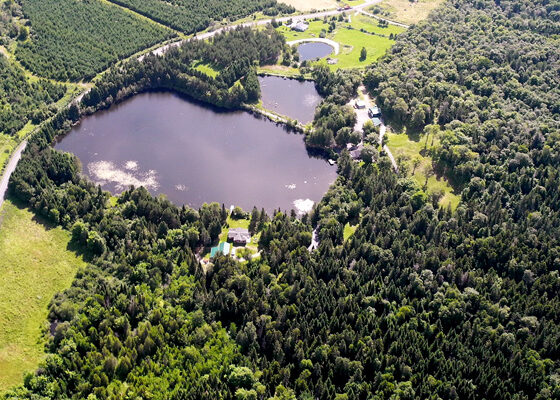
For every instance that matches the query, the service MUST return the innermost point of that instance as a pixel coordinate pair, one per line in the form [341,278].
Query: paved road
[321,14]
[330,42]
[10,168]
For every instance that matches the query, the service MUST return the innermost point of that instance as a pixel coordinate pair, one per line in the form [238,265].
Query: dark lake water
[313,50]
[290,97]
[196,154]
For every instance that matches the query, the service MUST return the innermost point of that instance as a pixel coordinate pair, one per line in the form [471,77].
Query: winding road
[207,35]
[10,168]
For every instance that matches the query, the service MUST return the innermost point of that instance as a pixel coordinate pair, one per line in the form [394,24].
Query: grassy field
[35,264]
[402,146]
[351,39]
[7,145]
[405,11]
[349,231]
[206,69]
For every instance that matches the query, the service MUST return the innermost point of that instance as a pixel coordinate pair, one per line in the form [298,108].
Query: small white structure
[299,26]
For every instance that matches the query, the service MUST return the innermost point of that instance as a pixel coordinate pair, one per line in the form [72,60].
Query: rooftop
[239,235]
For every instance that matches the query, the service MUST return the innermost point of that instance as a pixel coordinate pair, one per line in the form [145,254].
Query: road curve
[207,35]
[330,42]
[10,168]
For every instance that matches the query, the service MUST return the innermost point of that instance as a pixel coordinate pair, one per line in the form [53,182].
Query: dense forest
[233,53]
[192,16]
[22,101]
[334,119]
[419,303]
[73,39]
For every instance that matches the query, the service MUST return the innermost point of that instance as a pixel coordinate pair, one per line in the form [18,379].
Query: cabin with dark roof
[239,236]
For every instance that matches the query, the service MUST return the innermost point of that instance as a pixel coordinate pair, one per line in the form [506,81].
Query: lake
[194,154]
[290,97]
[313,51]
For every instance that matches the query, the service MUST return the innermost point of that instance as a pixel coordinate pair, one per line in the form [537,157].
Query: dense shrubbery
[333,116]
[21,101]
[193,16]
[419,303]
[73,39]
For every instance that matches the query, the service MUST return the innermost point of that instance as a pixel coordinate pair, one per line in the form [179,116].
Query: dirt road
[10,168]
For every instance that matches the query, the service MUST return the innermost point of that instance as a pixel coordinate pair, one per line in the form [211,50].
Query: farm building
[239,236]
[222,248]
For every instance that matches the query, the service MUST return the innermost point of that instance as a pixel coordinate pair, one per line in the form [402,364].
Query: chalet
[356,151]
[222,248]
[239,236]
[299,26]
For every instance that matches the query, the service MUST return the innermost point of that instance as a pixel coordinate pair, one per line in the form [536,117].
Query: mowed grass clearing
[404,11]
[402,146]
[34,266]
[351,39]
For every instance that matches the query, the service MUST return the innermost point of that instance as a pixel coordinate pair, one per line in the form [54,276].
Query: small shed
[376,121]
[239,236]
[222,248]
[360,104]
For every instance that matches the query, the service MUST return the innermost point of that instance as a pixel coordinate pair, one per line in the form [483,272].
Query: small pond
[195,154]
[313,51]
[290,97]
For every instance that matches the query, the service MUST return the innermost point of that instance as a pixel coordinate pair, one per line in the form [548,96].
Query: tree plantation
[191,16]
[378,293]
[22,101]
[73,39]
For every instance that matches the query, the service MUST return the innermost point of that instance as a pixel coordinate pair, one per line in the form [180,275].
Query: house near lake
[222,248]
[239,236]
[356,151]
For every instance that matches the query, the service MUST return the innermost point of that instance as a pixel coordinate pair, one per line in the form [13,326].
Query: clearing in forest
[34,266]
[360,32]
[405,11]
[414,152]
